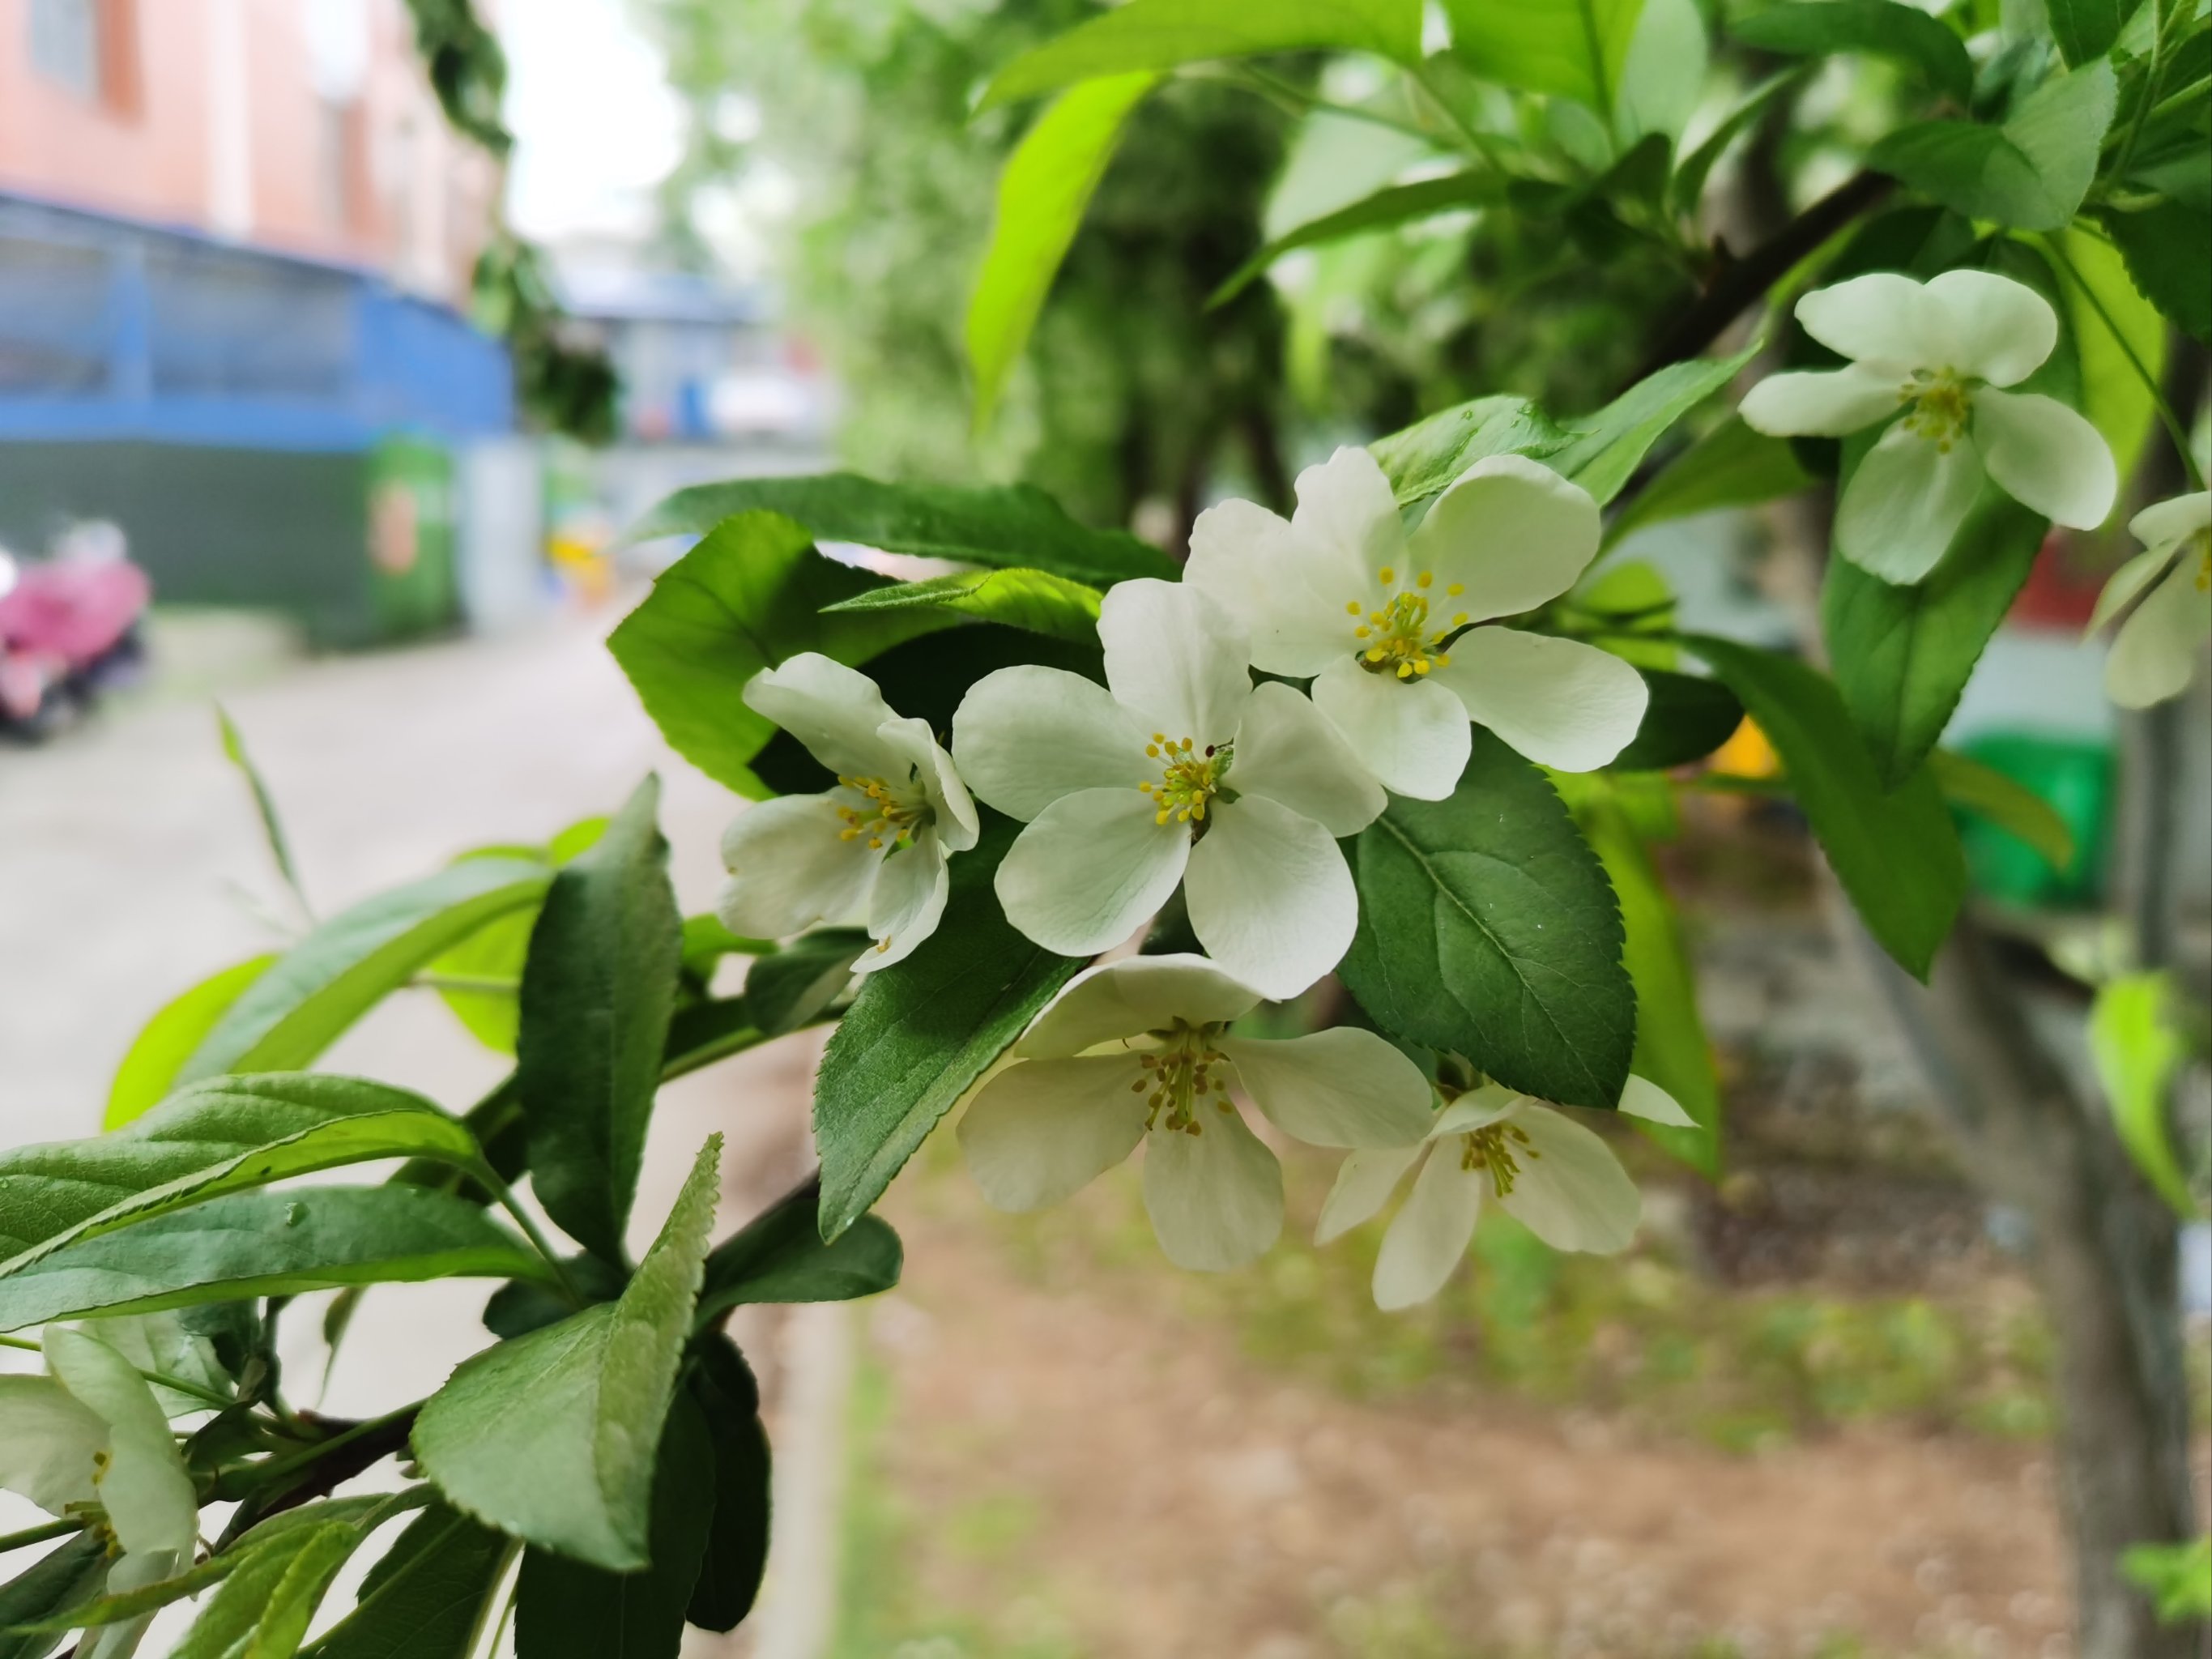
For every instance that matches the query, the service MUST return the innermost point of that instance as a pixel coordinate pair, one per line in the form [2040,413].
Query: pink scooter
[69,627]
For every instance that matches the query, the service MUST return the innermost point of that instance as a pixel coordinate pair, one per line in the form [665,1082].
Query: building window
[89,46]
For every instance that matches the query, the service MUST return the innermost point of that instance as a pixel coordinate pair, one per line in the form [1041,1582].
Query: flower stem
[30,1536]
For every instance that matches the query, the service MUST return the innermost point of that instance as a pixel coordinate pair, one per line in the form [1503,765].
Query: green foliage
[1422,461]
[2031,173]
[1387,208]
[2088,29]
[1966,783]
[779,1256]
[1487,929]
[2178,1577]
[1576,49]
[1882,28]
[149,1069]
[552,1438]
[2138,1051]
[2168,248]
[1602,451]
[1687,718]
[737,1543]
[431,1596]
[265,1606]
[794,985]
[1035,600]
[1731,465]
[64,1577]
[264,804]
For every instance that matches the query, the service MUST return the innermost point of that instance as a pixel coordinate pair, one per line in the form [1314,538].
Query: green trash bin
[412,589]
[2075,776]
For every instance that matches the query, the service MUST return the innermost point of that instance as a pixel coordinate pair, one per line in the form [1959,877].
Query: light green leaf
[2176,1577]
[749,595]
[1047,186]
[432,1597]
[265,1607]
[1035,600]
[149,1070]
[1423,460]
[2030,173]
[1486,929]
[225,1135]
[1731,465]
[294,1011]
[780,1257]
[1602,451]
[1164,34]
[1664,77]
[1894,851]
[1880,28]
[266,1243]
[2088,29]
[2138,1050]
[1385,210]
[2119,338]
[598,991]
[489,961]
[272,827]
[2168,250]
[1569,48]
[552,1438]
[922,1031]
[2008,804]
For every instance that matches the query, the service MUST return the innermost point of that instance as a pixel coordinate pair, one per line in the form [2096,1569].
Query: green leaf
[63,1578]
[1035,600]
[494,955]
[296,1009]
[1569,48]
[1044,193]
[792,987]
[432,1595]
[1006,526]
[266,1243]
[780,1257]
[265,804]
[1687,719]
[2177,1578]
[597,994]
[1164,34]
[564,1610]
[2008,804]
[707,941]
[2168,250]
[263,1608]
[550,1438]
[2118,337]
[149,1070]
[1894,851]
[1672,1050]
[1880,28]
[2088,29]
[2032,173]
[707,1031]
[2138,1050]
[1687,187]
[1662,79]
[226,1135]
[922,1031]
[1486,929]
[749,595]
[1902,656]
[1602,451]
[1424,460]
[1731,465]
[1387,208]
[737,1546]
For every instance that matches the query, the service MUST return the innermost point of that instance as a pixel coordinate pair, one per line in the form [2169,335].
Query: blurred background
[339,340]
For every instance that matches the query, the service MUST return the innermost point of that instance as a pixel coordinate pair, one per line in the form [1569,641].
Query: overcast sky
[596,127]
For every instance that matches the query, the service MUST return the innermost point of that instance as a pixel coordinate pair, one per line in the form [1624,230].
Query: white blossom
[2155,652]
[1138,1050]
[1932,359]
[1380,620]
[1176,772]
[873,849]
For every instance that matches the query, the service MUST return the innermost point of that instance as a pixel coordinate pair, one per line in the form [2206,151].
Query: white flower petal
[150,1499]
[1645,1099]
[1347,510]
[1428,1237]
[1560,703]
[912,742]
[1881,319]
[1270,897]
[834,711]
[1024,737]
[907,902]
[1412,734]
[2001,330]
[48,1442]
[1134,996]
[1512,533]
[1571,1191]
[790,866]
[1215,1197]
[2154,653]
[1820,404]
[2047,457]
[1174,660]
[1287,751]
[1286,594]
[1342,1087]
[1363,1184]
[2163,523]
[1090,869]
[2127,584]
[1904,503]
[1041,1131]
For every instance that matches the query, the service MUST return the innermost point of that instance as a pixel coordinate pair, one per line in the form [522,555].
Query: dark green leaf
[1731,465]
[792,987]
[1569,48]
[2010,805]
[149,1070]
[1902,656]
[1163,35]
[737,1546]
[1035,600]
[264,1609]
[1687,719]
[432,1597]
[2168,250]
[2086,29]
[2030,173]
[550,1438]
[64,1577]
[266,1243]
[1486,929]
[1894,851]
[780,1257]
[1602,451]
[922,1031]
[526,1305]
[1880,28]
[319,988]
[1391,206]
[597,994]
[227,1134]
[1422,460]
